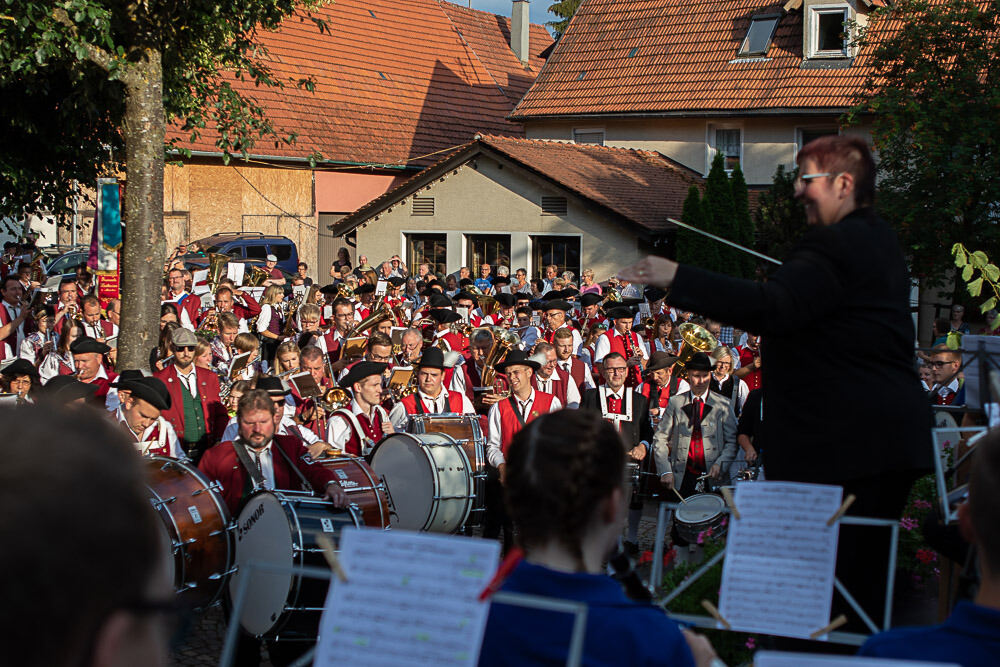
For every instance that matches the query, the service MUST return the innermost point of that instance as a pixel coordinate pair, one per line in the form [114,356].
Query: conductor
[844,286]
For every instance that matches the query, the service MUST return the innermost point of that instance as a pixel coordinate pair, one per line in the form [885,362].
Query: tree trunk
[143,252]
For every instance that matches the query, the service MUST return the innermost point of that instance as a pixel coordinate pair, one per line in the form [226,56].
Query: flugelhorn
[696,339]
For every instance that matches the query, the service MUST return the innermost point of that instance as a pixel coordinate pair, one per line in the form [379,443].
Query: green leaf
[967,273]
[989,304]
[975,287]
[954,340]
[995,323]
[960,257]
[992,272]
[979,259]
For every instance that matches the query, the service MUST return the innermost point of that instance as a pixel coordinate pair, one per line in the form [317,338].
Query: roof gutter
[739,113]
[303,160]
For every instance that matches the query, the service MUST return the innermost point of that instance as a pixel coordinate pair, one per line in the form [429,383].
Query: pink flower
[908,523]
[669,557]
[921,504]
[701,537]
[751,643]
[645,557]
[926,556]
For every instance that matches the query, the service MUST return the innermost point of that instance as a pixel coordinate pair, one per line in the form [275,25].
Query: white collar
[530,399]
[620,394]
[443,394]
[356,409]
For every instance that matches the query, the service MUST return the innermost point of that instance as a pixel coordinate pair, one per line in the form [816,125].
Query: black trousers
[496,517]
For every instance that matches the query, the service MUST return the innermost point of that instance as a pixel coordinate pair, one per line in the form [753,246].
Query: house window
[727,142]
[595,137]
[492,249]
[563,251]
[554,206]
[807,134]
[759,36]
[422,206]
[429,248]
[828,33]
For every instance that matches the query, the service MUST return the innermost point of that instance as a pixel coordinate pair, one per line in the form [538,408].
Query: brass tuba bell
[217,263]
[696,339]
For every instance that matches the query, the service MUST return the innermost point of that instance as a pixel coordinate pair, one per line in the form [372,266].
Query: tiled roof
[640,188]
[663,56]
[395,80]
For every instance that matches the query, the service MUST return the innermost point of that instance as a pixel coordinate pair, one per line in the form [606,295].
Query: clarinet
[634,378]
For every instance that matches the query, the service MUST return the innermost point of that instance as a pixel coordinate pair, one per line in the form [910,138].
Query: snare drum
[468,433]
[699,513]
[197,526]
[429,479]
[363,488]
[280,528]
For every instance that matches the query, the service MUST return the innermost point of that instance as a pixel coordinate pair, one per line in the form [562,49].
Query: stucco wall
[488,197]
[767,141]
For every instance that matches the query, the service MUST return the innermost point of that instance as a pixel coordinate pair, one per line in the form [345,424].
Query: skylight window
[582,74]
[372,13]
[760,34]
[635,50]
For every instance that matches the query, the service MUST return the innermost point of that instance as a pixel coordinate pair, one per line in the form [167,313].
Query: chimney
[520,25]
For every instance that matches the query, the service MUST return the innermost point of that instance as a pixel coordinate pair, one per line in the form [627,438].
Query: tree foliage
[743,223]
[780,218]
[693,248]
[933,102]
[564,9]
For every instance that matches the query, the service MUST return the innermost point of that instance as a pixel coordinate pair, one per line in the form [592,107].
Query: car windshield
[213,248]
[67,263]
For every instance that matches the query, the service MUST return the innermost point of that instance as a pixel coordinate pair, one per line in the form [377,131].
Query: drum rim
[722,507]
[376,485]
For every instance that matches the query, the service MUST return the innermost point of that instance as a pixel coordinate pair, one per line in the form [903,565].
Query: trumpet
[333,399]
[210,322]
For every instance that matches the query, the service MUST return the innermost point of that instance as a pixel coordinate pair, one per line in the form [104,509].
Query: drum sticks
[331,557]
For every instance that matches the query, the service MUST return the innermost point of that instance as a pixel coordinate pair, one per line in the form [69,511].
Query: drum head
[401,460]
[263,535]
[700,507]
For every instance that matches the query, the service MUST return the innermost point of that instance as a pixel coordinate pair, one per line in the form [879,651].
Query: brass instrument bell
[696,339]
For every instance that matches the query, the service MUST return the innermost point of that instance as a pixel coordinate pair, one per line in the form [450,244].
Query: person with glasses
[195,411]
[725,383]
[844,286]
[949,387]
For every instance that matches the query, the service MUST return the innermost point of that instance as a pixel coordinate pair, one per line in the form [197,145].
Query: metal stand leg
[656,571]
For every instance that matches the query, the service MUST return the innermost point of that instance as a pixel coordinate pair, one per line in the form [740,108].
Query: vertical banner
[106,241]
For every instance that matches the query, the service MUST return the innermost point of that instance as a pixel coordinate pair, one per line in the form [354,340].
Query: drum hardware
[157,504]
[189,586]
[214,486]
[223,575]
[388,493]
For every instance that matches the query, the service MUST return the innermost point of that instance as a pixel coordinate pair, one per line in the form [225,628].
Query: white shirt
[190,380]
[400,419]
[264,319]
[96,330]
[167,435]
[266,463]
[286,427]
[339,430]
[603,346]
[493,452]
[185,318]
[12,314]
[588,379]
[572,393]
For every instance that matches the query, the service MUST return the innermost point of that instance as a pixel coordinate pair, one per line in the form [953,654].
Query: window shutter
[422,206]
[553,206]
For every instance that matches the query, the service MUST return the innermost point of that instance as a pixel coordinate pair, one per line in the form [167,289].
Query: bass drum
[197,527]
[280,528]
[468,433]
[363,488]
[429,478]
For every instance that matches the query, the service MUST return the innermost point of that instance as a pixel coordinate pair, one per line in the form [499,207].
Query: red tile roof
[396,80]
[639,188]
[684,61]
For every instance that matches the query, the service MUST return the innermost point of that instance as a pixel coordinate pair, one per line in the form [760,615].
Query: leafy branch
[979,272]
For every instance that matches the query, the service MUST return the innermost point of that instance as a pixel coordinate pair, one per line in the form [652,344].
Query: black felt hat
[517,358]
[66,388]
[21,367]
[150,389]
[433,357]
[620,313]
[88,345]
[591,299]
[700,362]
[443,315]
[360,370]
[274,386]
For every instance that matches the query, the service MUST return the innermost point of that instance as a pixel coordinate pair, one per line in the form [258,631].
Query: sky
[538,11]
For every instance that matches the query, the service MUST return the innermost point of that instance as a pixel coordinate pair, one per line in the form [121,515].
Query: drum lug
[220,575]
[214,486]
[158,504]
[188,586]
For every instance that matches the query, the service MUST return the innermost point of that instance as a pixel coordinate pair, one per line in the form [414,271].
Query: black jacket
[841,395]
[633,432]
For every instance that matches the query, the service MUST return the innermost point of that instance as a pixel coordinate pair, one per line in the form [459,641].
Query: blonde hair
[272,295]
[246,342]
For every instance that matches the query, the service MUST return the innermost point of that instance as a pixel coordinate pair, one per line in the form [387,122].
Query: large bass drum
[429,478]
[363,488]
[280,528]
[468,433]
[197,526]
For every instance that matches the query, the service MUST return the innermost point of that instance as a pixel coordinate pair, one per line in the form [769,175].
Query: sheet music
[778,573]
[782,659]
[410,598]
[199,282]
[238,363]
[381,287]
[235,272]
[973,369]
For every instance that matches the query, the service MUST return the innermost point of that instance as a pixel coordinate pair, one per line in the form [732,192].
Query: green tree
[780,218]
[693,248]
[932,102]
[91,86]
[744,224]
[720,215]
[564,9]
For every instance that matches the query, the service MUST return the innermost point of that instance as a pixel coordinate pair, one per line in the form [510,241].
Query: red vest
[618,343]
[11,339]
[455,404]
[577,371]
[154,435]
[373,431]
[510,424]
[559,385]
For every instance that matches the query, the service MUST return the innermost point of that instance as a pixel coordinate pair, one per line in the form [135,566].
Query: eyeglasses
[184,348]
[616,369]
[940,364]
[805,179]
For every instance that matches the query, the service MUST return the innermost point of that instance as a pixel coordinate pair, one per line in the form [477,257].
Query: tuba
[217,263]
[257,276]
[696,339]
[379,313]
[504,341]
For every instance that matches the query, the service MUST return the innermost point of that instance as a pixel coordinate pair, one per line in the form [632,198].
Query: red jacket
[220,463]
[247,309]
[216,416]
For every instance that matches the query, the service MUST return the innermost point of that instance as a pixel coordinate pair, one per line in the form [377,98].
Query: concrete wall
[767,142]
[489,197]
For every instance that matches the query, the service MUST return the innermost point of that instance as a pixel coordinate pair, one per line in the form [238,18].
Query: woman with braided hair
[565,491]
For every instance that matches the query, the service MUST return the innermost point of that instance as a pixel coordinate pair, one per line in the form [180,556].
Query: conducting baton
[722,240]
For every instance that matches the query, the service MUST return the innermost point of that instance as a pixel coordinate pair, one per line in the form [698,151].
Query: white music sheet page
[780,659]
[777,577]
[410,598]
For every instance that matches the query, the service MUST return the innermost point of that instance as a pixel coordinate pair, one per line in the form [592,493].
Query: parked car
[254,245]
[198,262]
[64,266]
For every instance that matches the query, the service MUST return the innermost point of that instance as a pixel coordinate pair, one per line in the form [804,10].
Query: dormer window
[759,36]
[828,36]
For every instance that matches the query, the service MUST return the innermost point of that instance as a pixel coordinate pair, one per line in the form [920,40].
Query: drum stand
[708,622]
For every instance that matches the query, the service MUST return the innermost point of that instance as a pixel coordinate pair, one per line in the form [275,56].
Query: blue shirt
[484,283]
[969,637]
[619,631]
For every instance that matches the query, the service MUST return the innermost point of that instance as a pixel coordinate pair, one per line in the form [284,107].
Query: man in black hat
[67,390]
[444,335]
[431,397]
[88,357]
[21,377]
[365,294]
[624,341]
[392,298]
[660,383]
[697,434]
[142,401]
[356,428]
[554,316]
[590,304]
[506,418]
[505,317]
